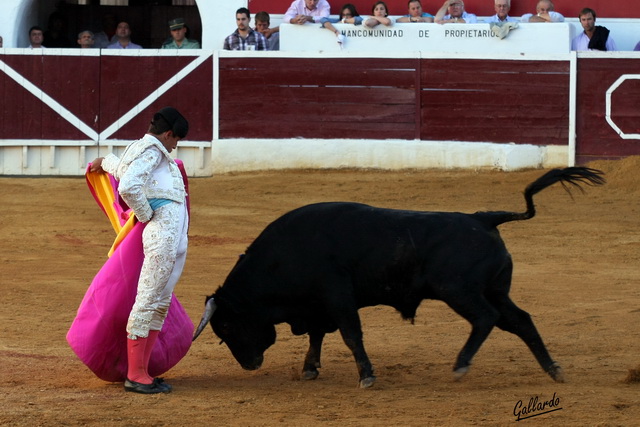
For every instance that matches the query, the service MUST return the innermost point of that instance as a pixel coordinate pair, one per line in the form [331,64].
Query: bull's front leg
[344,311]
[312,360]
[352,337]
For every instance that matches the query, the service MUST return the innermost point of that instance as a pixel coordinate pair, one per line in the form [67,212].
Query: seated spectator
[302,11]
[348,15]
[36,37]
[415,13]
[452,11]
[179,38]
[107,36]
[123,38]
[85,39]
[593,37]
[263,20]
[502,8]
[544,13]
[244,37]
[380,12]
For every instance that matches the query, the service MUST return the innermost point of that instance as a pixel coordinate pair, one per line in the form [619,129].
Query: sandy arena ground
[576,271]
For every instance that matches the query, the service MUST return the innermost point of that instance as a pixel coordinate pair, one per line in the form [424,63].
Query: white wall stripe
[573,96]
[610,91]
[216,96]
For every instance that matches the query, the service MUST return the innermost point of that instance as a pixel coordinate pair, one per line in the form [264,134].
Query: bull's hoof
[556,372]
[310,375]
[367,382]
[460,372]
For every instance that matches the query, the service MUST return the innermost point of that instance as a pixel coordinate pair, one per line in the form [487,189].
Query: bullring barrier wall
[266,110]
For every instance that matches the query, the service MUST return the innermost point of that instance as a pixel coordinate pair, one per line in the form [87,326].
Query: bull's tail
[572,177]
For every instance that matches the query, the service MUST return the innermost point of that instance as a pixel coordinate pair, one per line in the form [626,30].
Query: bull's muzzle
[254,364]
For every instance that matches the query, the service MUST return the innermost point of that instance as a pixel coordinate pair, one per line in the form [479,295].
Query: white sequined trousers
[164,240]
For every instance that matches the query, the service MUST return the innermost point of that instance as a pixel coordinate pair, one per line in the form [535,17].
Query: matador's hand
[96,165]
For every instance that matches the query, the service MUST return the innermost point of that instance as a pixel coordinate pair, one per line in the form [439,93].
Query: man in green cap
[178,36]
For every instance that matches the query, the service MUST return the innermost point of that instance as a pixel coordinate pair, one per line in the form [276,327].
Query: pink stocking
[137,369]
[151,341]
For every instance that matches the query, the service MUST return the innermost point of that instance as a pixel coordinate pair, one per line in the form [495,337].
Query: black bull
[315,266]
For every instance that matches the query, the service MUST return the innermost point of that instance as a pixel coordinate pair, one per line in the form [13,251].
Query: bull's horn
[209,308]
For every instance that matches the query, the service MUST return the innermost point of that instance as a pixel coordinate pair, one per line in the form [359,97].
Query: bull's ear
[209,309]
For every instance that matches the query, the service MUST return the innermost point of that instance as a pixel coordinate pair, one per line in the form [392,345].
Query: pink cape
[98,333]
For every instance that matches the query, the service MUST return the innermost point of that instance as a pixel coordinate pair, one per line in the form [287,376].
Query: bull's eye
[225,328]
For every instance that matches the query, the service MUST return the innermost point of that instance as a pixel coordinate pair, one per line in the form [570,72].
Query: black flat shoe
[153,388]
[160,383]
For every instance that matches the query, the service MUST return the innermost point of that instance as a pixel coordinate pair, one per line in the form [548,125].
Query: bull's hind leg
[312,360]
[517,321]
[482,317]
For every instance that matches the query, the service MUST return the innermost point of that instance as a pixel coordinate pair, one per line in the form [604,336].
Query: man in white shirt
[544,13]
[303,11]
[123,34]
[593,37]
[502,8]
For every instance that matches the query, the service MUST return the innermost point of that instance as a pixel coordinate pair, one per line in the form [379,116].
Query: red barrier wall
[309,98]
[122,89]
[596,137]
[98,91]
[72,81]
[387,98]
[501,101]
[497,101]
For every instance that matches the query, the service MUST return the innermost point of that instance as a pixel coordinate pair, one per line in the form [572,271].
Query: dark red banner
[569,8]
